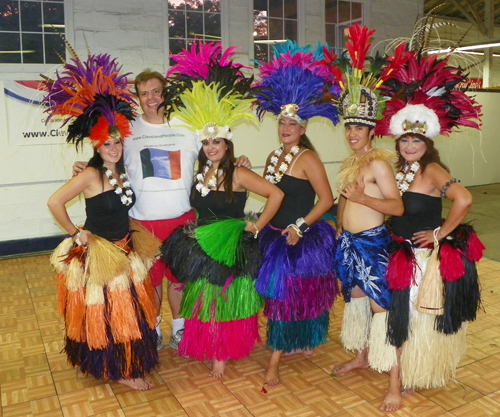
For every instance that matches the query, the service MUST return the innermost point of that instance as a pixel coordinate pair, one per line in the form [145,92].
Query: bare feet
[272,377]
[305,352]
[359,362]
[218,369]
[392,402]
[138,384]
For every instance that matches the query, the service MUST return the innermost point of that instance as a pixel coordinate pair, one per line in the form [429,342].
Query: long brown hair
[226,164]
[431,153]
[306,143]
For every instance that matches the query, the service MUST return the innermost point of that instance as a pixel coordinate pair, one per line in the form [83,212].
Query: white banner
[26,117]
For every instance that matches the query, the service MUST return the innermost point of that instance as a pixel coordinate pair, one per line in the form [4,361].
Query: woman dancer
[433,298]
[298,249]
[218,258]
[104,293]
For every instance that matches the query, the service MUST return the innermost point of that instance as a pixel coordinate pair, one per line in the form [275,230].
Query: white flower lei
[212,182]
[126,192]
[273,176]
[406,176]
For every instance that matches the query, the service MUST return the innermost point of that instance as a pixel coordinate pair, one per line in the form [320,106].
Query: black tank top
[422,212]
[215,206]
[107,217]
[298,201]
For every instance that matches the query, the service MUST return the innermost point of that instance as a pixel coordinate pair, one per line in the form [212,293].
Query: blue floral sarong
[361,260]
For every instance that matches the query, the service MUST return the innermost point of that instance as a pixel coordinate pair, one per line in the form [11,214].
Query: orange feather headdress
[95,97]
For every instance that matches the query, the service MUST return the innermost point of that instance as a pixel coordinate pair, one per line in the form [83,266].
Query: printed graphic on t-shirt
[160,163]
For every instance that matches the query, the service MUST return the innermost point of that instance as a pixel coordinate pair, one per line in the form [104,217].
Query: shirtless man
[368,193]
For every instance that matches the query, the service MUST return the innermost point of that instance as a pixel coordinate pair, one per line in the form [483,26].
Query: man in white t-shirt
[159,158]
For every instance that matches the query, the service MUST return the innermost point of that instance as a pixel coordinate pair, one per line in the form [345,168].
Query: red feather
[100,131]
[358,45]
[475,248]
[400,57]
[451,265]
[400,272]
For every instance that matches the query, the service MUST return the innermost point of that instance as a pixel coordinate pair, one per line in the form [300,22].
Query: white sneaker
[159,343]
[175,339]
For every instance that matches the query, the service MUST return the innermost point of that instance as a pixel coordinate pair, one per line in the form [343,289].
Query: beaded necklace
[212,182]
[125,192]
[273,176]
[406,176]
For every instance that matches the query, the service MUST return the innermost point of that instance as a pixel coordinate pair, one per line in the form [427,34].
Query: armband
[446,186]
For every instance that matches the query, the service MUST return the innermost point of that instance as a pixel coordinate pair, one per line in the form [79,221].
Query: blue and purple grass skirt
[298,285]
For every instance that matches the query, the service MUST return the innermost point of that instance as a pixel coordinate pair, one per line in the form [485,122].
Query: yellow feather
[202,106]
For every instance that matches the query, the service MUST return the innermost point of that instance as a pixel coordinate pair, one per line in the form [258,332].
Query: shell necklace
[273,176]
[212,182]
[406,176]
[125,192]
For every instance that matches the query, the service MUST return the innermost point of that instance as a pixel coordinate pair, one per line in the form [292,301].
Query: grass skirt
[457,267]
[219,300]
[299,287]
[183,252]
[110,319]
[429,358]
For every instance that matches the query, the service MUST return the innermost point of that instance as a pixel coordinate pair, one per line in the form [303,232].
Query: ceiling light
[471,47]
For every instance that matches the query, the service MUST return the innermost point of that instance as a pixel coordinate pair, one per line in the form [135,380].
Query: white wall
[30,170]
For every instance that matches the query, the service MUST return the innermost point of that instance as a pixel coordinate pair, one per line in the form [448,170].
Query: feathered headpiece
[209,92]
[298,83]
[359,100]
[423,98]
[95,97]
[210,112]
[207,62]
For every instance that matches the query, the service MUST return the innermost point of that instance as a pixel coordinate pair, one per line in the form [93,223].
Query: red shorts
[163,229]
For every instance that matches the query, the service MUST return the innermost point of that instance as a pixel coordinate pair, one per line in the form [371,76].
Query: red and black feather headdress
[423,97]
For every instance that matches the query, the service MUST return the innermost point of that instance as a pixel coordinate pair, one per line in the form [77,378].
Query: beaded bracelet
[445,187]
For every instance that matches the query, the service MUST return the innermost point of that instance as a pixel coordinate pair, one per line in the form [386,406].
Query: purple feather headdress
[298,84]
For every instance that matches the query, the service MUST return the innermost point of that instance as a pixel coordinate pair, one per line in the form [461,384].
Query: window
[339,15]
[190,19]
[274,20]
[28,31]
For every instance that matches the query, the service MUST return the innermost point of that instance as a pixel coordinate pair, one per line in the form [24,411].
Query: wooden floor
[36,381]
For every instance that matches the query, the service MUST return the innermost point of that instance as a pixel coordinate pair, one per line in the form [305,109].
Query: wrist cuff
[302,225]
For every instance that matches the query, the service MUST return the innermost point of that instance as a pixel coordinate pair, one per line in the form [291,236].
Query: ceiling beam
[480,20]
[479,24]
[489,18]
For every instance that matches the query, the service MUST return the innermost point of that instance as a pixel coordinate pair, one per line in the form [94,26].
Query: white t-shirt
[160,162]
